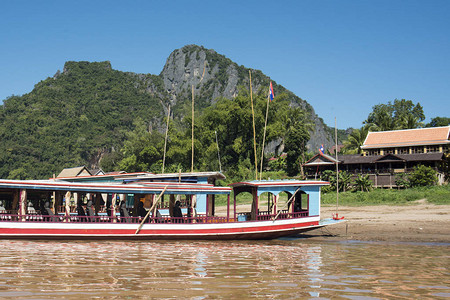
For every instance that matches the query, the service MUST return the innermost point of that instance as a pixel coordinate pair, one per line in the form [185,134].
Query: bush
[422,176]
[401,180]
[363,183]
[277,164]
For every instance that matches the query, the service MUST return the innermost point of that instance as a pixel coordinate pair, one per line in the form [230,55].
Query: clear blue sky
[343,57]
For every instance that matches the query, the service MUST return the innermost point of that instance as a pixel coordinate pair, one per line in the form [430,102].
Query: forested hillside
[89,114]
[73,118]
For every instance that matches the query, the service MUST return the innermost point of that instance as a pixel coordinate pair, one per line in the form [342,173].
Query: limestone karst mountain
[85,111]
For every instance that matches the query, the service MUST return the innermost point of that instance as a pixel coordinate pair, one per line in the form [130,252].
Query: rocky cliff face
[213,75]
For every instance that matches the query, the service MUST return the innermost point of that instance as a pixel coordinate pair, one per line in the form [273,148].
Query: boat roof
[279,183]
[115,187]
[146,176]
[276,186]
[176,176]
[104,177]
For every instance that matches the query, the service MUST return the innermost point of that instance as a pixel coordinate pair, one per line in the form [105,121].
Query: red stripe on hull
[256,232]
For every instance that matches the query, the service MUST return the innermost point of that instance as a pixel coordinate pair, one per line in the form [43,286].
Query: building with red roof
[388,153]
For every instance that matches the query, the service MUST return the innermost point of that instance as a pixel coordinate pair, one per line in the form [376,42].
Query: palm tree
[363,183]
[345,179]
[356,140]
[409,121]
[381,118]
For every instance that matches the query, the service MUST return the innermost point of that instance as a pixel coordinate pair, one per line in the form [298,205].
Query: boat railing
[201,218]
[268,215]
[61,209]
[104,218]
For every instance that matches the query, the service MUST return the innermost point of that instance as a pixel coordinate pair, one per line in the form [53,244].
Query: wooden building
[410,141]
[388,153]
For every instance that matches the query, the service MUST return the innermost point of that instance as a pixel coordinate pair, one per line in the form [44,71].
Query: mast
[254,130]
[337,167]
[264,135]
[218,153]
[192,159]
[165,140]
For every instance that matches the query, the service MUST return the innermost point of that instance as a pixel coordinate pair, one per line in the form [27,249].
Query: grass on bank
[433,194]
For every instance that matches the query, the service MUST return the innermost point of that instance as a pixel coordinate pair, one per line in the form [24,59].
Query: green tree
[409,122]
[278,164]
[363,183]
[438,122]
[19,173]
[422,176]
[296,138]
[401,180]
[142,150]
[330,176]
[402,114]
[356,140]
[406,113]
[381,118]
[345,180]
[445,166]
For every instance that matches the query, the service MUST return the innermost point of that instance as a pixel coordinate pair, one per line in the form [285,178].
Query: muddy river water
[281,269]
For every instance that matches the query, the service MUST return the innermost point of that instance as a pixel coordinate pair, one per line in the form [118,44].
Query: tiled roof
[358,159]
[437,156]
[318,160]
[73,172]
[409,137]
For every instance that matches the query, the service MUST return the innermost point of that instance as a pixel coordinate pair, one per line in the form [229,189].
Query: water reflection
[265,269]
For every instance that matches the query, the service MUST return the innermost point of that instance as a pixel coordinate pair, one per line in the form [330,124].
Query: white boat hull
[106,230]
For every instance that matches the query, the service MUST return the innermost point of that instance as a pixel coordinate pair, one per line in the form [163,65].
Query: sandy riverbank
[418,222]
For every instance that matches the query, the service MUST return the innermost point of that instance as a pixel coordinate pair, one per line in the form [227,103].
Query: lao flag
[321,149]
[271,95]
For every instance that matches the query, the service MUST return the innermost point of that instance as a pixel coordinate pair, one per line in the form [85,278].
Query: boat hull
[155,231]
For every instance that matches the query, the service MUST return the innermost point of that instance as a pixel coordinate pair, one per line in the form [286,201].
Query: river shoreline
[419,222]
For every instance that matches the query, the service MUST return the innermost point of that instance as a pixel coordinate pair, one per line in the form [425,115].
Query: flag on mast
[271,95]
[321,150]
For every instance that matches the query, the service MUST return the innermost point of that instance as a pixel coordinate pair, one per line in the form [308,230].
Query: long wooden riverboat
[156,206]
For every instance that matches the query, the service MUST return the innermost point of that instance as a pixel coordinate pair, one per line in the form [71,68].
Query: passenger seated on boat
[90,212]
[80,211]
[30,209]
[124,214]
[159,217]
[49,212]
[2,211]
[141,210]
[42,208]
[177,214]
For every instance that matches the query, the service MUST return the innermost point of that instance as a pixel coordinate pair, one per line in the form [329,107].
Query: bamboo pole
[192,159]
[218,153]
[254,130]
[337,167]
[264,137]
[286,204]
[54,195]
[165,140]
[150,210]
